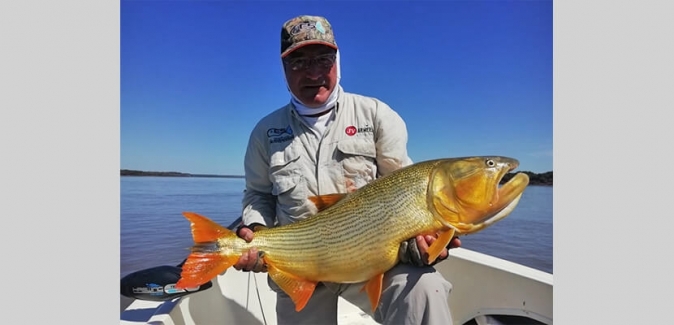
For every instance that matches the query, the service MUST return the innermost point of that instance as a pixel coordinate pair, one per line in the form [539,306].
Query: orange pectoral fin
[373,289]
[439,244]
[323,202]
[298,289]
[200,268]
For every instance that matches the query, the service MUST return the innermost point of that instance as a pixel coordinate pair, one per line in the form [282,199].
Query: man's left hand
[415,250]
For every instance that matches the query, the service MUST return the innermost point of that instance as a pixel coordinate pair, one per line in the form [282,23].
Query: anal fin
[373,289]
[298,289]
[439,244]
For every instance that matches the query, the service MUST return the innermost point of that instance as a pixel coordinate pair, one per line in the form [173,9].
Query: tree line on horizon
[534,178]
[131,172]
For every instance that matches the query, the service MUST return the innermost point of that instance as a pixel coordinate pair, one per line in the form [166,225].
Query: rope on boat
[257,289]
[248,292]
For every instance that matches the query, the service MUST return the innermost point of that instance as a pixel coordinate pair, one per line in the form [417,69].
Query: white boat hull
[484,289]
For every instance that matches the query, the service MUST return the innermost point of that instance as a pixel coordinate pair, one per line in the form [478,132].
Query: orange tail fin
[205,262]
[205,230]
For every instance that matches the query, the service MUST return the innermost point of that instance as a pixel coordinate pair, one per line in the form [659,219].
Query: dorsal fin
[323,202]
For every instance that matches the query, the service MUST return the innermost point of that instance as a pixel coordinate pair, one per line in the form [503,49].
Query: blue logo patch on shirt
[280,135]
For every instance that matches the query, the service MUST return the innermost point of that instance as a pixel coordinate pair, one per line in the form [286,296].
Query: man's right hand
[252,259]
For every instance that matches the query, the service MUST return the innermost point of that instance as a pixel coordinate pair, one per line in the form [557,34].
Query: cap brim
[305,43]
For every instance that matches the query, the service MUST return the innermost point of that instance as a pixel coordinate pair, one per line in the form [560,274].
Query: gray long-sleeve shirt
[285,162]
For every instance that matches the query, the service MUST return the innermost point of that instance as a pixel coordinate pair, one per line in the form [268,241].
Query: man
[329,141]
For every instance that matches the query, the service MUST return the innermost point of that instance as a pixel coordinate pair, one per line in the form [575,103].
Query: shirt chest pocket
[286,177]
[357,158]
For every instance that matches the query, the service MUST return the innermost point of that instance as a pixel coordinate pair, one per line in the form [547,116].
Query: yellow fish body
[355,237]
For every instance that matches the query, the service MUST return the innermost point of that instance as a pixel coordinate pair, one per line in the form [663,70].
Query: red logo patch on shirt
[351,130]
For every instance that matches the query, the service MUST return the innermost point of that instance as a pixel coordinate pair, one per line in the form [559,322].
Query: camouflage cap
[306,30]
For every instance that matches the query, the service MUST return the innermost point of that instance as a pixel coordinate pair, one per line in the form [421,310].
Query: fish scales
[354,228]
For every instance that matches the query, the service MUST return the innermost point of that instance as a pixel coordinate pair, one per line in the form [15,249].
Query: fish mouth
[508,196]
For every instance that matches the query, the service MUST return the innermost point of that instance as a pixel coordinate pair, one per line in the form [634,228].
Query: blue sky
[468,77]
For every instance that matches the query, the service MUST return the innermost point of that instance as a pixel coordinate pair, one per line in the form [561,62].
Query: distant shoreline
[542,179]
[130,172]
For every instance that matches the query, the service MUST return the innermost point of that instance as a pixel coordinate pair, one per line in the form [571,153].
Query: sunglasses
[302,63]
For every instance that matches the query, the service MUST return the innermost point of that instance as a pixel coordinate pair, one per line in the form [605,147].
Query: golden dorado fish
[355,237]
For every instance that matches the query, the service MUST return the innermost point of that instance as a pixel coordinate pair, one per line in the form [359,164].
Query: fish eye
[490,163]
